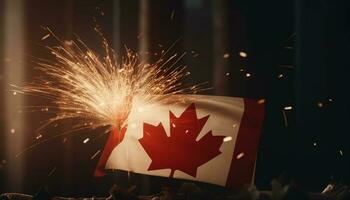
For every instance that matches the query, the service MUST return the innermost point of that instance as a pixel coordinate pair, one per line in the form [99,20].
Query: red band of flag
[114,139]
[247,142]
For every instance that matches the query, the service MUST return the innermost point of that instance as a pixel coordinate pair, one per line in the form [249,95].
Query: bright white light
[227,139]
[288,108]
[243,54]
[86,140]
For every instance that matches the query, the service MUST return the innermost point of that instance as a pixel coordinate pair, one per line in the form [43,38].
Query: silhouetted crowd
[282,188]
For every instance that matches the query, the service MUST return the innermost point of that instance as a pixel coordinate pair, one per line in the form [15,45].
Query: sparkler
[101,90]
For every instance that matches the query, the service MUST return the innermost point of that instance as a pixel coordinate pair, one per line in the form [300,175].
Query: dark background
[305,41]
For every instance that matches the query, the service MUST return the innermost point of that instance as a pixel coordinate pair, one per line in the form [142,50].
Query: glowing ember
[45,37]
[285,118]
[261,101]
[319,104]
[243,54]
[86,140]
[226,55]
[101,90]
[38,136]
[95,154]
[239,156]
[288,108]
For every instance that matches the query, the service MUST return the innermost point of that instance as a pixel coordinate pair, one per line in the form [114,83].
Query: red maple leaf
[180,151]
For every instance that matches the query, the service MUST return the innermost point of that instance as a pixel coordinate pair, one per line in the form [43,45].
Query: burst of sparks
[101,90]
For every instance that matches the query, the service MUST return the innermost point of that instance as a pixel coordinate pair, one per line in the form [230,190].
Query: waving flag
[212,139]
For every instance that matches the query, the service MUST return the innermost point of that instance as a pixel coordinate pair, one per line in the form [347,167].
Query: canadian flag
[211,139]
